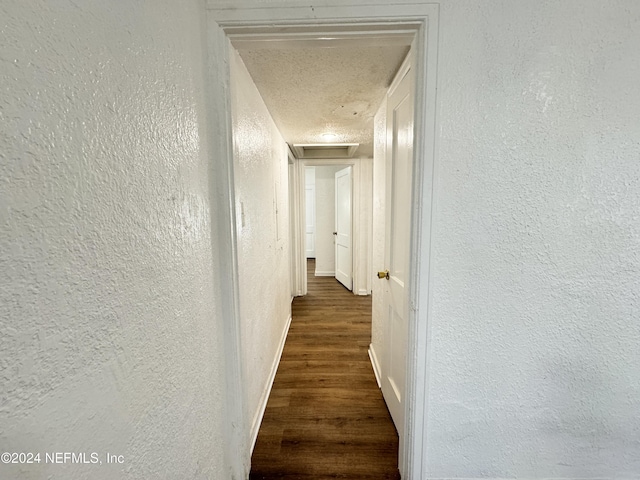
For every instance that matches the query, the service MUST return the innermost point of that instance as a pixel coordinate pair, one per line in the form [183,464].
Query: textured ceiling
[314,91]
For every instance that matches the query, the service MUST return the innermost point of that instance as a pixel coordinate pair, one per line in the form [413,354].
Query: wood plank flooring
[326,418]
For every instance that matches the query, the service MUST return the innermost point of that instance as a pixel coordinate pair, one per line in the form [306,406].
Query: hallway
[326,417]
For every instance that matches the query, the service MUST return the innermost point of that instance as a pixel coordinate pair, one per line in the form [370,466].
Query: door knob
[384,274]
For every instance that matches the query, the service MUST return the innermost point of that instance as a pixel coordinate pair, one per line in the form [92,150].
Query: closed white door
[342,230]
[399,160]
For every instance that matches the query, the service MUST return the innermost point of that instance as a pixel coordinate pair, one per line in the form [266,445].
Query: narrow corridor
[326,417]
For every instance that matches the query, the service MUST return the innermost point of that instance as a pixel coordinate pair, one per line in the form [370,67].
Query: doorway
[361,195]
[330,240]
[320,219]
[335,21]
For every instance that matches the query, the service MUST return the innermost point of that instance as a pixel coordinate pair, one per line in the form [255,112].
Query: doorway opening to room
[328,27]
[328,222]
[337,228]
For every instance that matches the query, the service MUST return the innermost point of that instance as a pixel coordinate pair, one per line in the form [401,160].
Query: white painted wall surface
[263,261]
[110,329]
[325,219]
[362,232]
[535,334]
[310,210]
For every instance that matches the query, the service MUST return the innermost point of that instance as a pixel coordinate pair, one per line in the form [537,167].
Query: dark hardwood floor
[326,417]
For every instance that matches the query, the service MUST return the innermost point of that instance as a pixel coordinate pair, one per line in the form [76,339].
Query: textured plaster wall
[535,334]
[109,322]
[261,186]
[325,219]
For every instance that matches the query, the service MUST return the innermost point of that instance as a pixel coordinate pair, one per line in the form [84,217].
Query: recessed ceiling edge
[324,150]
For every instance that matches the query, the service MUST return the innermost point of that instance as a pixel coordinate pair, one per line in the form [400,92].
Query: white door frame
[298,20]
[296,243]
[361,286]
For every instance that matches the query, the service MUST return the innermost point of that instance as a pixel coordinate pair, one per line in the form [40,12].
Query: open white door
[399,159]
[342,232]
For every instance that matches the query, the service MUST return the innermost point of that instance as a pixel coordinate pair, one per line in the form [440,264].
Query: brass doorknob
[384,274]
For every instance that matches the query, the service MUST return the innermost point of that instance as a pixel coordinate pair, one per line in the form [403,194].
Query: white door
[399,160]
[342,230]
[310,212]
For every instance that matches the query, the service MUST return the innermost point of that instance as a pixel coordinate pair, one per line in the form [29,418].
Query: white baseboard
[375,364]
[325,274]
[364,291]
[257,419]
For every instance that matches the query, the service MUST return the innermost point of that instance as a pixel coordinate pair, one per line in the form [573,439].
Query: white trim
[238,17]
[327,162]
[400,74]
[280,4]
[257,418]
[301,232]
[418,348]
[364,16]
[356,224]
[365,267]
[375,364]
[304,151]
[237,456]
[325,274]
[257,41]
[298,254]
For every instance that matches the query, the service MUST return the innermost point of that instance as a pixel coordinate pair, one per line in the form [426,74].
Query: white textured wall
[109,325]
[261,186]
[535,353]
[325,219]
